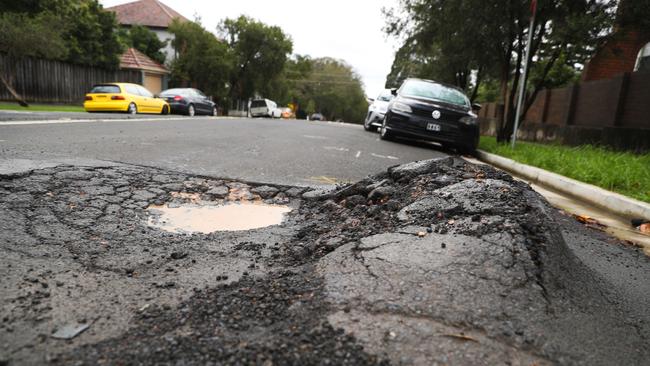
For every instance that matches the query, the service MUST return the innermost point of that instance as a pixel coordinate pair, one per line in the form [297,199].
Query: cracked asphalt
[434,262]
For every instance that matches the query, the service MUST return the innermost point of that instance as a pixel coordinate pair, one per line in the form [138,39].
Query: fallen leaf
[460,336]
[645,228]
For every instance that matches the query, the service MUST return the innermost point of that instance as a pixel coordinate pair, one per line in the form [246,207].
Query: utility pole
[522,84]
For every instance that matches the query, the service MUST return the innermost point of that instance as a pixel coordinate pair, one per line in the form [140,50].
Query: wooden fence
[46,81]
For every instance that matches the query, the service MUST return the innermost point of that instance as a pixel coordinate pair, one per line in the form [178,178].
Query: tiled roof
[134,59]
[151,13]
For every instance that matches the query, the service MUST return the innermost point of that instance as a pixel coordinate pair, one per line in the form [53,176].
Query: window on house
[643,59]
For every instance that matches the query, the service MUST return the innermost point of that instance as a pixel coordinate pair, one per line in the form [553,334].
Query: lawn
[622,172]
[41,107]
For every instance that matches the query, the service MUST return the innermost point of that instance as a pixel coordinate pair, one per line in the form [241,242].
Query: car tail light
[88,97]
[178,98]
[117,97]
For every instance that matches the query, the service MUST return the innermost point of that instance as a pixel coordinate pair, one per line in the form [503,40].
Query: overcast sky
[345,29]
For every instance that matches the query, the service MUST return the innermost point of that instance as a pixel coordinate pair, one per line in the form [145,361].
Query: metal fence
[46,81]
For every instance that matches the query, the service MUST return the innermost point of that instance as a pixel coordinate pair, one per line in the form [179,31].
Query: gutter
[607,200]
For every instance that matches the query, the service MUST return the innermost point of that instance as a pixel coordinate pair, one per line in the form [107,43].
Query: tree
[202,59]
[260,52]
[487,38]
[90,36]
[24,36]
[328,86]
[145,41]
[86,29]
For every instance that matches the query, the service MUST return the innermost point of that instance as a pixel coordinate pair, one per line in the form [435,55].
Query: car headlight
[469,120]
[401,107]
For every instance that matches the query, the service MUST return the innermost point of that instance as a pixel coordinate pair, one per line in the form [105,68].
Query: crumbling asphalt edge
[610,201]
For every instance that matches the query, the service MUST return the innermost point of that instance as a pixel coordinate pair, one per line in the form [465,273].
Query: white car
[264,108]
[377,110]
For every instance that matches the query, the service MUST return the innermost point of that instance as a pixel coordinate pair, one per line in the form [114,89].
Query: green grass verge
[622,172]
[41,108]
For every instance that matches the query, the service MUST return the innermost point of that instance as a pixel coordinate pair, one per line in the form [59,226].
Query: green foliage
[86,31]
[622,172]
[260,52]
[202,59]
[327,86]
[488,91]
[635,14]
[459,39]
[145,41]
[36,36]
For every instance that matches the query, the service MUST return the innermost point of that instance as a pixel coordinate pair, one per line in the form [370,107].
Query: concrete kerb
[610,201]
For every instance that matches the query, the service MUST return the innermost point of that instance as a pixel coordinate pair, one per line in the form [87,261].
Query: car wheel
[191,111]
[165,110]
[471,148]
[214,111]
[367,126]
[133,109]
[384,133]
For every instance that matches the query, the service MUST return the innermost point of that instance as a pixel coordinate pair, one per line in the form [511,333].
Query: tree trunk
[12,91]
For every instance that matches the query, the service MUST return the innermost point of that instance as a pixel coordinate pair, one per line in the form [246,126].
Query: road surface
[292,152]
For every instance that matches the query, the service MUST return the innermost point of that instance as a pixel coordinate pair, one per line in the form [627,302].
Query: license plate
[433,127]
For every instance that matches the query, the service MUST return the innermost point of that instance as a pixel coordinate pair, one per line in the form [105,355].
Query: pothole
[192,218]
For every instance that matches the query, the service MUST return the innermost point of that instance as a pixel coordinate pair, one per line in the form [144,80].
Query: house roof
[150,13]
[134,59]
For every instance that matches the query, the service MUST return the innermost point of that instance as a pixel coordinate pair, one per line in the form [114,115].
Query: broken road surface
[432,262]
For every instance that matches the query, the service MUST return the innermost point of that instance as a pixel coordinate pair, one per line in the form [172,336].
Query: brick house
[626,50]
[152,14]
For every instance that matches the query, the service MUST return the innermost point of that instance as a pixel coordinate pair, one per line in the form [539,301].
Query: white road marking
[335,148]
[358,154]
[385,157]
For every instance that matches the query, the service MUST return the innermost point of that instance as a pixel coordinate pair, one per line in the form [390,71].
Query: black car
[189,101]
[432,111]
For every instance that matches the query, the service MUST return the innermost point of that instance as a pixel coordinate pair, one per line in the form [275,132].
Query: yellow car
[123,97]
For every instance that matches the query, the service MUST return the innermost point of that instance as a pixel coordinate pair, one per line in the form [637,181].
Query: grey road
[274,151]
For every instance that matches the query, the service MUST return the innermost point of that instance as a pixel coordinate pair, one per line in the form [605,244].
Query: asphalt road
[292,152]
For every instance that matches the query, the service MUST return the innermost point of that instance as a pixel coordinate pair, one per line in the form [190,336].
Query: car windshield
[433,91]
[386,96]
[108,89]
[174,92]
[258,103]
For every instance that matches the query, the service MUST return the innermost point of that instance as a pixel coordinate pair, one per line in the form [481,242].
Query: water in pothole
[192,218]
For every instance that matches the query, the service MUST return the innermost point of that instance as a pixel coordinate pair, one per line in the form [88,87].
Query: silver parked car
[377,110]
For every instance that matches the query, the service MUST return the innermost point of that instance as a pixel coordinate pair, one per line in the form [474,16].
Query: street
[390,253]
[293,152]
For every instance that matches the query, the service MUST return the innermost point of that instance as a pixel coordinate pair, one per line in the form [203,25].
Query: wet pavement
[433,262]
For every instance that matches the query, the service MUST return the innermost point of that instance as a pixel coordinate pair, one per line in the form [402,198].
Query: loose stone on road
[419,261]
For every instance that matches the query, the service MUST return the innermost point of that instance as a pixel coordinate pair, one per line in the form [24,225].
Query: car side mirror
[370,100]
[476,107]
[393,91]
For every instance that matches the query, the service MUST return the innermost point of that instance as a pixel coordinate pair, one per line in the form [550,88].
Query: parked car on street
[189,101]
[316,117]
[123,97]
[287,113]
[432,111]
[377,110]
[264,108]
